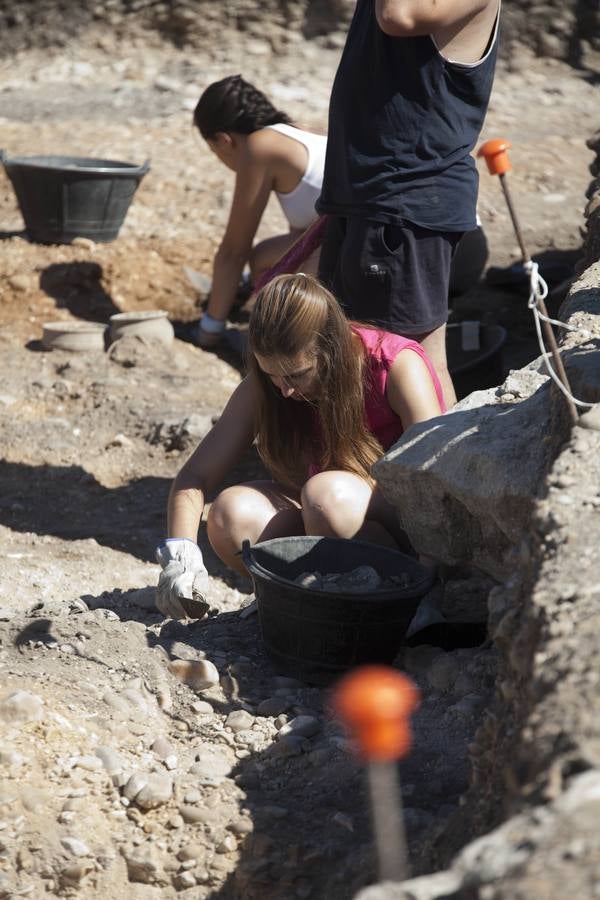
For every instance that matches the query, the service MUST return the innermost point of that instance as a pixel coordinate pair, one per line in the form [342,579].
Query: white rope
[538,290]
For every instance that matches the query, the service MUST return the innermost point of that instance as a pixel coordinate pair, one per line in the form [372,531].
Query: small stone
[142,865]
[75,871]
[193,851]
[250,738]
[75,847]
[301,726]
[201,707]
[239,720]
[241,826]
[21,707]
[76,804]
[227,845]
[197,674]
[272,706]
[162,748]
[148,790]
[212,765]
[192,796]
[193,814]
[66,817]
[184,880]
[19,282]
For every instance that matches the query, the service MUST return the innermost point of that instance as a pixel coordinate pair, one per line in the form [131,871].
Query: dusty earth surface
[118,777]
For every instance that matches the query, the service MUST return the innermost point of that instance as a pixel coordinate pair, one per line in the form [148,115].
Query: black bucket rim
[416,588]
[112,167]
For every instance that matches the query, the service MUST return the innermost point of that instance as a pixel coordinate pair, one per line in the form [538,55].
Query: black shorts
[393,276]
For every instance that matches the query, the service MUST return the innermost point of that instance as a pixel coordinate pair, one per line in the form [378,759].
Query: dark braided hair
[233,104]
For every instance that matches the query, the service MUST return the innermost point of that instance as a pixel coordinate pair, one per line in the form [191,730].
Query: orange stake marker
[375,703]
[495,153]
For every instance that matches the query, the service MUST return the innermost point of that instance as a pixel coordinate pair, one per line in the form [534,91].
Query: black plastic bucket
[64,197]
[316,635]
[474,352]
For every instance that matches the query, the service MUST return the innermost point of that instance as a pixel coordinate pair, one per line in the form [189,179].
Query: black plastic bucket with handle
[316,635]
[64,197]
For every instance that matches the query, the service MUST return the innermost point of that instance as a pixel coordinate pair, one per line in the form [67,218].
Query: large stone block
[464,484]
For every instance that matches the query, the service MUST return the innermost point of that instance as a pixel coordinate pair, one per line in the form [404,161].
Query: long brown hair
[295,314]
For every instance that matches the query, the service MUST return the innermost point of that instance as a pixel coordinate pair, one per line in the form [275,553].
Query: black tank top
[402,124]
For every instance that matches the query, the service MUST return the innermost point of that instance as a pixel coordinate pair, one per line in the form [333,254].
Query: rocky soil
[122,773]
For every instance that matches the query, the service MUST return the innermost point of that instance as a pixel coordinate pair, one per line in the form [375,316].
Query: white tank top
[298,206]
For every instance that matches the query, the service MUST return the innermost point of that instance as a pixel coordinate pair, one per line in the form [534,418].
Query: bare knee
[237,514]
[334,504]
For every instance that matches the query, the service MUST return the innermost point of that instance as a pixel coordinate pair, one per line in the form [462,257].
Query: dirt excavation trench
[120,778]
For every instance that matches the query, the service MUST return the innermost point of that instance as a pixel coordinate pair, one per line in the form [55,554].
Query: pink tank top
[382,349]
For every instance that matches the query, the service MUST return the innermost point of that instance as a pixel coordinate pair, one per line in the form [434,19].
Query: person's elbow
[398,19]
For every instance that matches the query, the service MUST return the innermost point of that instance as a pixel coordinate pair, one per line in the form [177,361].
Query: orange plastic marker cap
[495,153]
[375,703]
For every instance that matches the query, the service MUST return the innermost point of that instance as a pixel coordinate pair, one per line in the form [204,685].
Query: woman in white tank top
[267,153]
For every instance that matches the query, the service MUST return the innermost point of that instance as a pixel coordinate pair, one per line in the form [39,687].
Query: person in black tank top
[400,184]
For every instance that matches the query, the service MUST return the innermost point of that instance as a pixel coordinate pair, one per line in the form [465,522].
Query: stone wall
[564,30]
[536,756]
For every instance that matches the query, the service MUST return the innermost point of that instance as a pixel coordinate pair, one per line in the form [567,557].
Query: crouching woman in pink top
[323,398]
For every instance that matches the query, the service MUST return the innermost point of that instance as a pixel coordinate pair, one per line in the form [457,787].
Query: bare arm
[461,29]
[410,390]
[213,458]
[403,18]
[253,185]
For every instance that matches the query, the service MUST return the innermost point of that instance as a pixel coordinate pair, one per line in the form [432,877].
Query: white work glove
[183,583]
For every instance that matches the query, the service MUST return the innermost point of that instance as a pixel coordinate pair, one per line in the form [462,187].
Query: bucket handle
[145,167]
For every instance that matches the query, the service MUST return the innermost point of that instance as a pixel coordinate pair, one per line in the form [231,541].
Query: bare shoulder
[262,146]
[243,399]
[408,365]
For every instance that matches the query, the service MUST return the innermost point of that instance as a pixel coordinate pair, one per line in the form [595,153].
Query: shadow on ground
[77,286]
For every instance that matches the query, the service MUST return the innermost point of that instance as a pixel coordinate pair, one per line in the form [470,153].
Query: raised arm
[213,458]
[410,389]
[460,28]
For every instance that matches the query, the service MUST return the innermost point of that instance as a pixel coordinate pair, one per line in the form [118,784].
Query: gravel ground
[119,776]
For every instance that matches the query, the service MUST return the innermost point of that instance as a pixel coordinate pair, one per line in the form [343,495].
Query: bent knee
[334,503]
[234,506]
